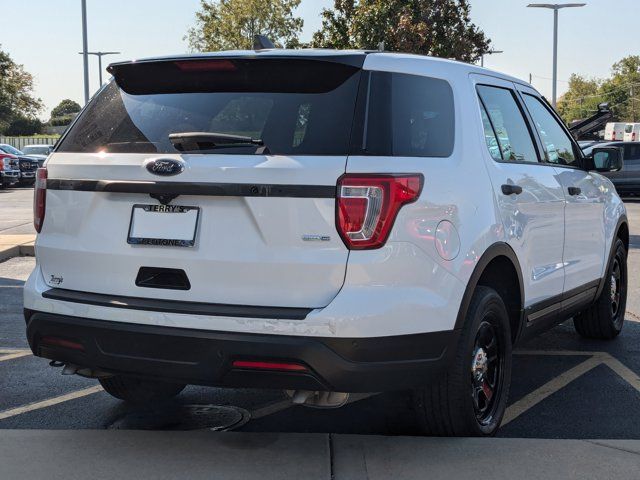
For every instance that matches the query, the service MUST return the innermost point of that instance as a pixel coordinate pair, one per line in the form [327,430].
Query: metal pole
[100,69]
[85,49]
[482,60]
[555,58]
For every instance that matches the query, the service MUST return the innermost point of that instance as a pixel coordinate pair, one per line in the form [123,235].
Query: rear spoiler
[265,71]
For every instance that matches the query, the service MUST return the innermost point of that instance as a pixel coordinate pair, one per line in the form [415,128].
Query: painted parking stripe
[625,372]
[11,353]
[521,406]
[49,402]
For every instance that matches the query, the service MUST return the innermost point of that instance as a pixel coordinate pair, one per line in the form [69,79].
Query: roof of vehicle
[354,55]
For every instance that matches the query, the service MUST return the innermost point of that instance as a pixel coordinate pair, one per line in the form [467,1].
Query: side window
[490,135]
[512,134]
[632,152]
[409,115]
[558,145]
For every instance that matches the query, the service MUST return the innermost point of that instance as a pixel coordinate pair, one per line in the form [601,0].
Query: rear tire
[137,391]
[471,398]
[605,318]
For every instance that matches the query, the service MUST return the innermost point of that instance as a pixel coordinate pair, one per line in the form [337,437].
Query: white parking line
[11,353]
[49,402]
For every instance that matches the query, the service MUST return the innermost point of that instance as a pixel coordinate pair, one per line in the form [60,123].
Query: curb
[22,246]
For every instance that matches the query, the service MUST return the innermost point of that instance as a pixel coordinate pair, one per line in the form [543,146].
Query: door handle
[574,191]
[509,189]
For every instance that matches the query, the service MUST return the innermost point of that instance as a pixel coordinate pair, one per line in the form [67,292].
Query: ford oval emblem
[165,167]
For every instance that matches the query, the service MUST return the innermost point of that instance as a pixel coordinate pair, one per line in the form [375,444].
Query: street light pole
[100,55]
[85,54]
[489,52]
[555,7]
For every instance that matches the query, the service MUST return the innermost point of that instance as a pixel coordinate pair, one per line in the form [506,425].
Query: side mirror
[607,159]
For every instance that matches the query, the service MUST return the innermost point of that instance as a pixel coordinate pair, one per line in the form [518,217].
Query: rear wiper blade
[190,141]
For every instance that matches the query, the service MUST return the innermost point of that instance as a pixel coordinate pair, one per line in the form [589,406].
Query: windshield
[32,150]
[294,107]
[10,149]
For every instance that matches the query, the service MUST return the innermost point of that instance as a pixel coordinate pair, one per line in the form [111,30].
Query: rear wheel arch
[499,269]
[623,232]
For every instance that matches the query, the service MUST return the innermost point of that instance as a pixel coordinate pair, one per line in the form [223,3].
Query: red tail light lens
[368,205]
[39,198]
[206,66]
[287,367]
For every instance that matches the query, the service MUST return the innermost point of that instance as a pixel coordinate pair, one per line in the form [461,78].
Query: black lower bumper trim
[205,357]
[173,306]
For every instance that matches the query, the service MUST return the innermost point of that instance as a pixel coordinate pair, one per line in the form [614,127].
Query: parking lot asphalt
[562,386]
[18,218]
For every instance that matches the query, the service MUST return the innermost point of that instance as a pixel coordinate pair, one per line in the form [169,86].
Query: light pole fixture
[555,7]
[488,52]
[100,55]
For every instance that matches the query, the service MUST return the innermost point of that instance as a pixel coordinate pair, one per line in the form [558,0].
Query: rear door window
[409,115]
[297,107]
[506,118]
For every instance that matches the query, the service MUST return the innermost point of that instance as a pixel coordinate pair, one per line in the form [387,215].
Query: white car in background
[321,221]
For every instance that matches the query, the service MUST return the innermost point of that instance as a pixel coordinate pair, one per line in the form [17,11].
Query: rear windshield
[296,107]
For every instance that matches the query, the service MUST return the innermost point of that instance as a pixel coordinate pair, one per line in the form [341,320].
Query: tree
[621,91]
[65,107]
[581,99]
[21,125]
[16,92]
[441,28]
[232,24]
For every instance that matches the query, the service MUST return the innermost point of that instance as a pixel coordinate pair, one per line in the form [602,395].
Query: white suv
[320,221]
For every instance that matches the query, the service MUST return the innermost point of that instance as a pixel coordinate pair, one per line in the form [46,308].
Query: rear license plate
[163,225]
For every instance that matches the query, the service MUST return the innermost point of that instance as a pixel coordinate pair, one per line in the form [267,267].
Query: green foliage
[441,28]
[16,93]
[62,121]
[232,24]
[65,107]
[621,91]
[21,125]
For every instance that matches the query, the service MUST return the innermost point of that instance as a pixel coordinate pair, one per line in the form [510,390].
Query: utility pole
[555,7]
[633,106]
[85,54]
[530,79]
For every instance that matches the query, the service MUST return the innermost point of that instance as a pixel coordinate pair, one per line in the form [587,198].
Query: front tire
[471,398]
[137,391]
[605,318]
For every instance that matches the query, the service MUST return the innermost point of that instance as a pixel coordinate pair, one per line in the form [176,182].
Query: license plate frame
[185,240]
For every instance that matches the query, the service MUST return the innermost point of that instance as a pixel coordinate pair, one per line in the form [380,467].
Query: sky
[45,36]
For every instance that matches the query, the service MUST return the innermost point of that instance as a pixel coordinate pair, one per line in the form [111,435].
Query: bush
[62,121]
[24,126]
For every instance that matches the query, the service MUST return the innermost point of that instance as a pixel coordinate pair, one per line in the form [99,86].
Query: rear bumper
[205,357]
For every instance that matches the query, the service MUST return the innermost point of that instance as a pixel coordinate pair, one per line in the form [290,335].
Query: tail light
[39,198]
[368,205]
[633,137]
